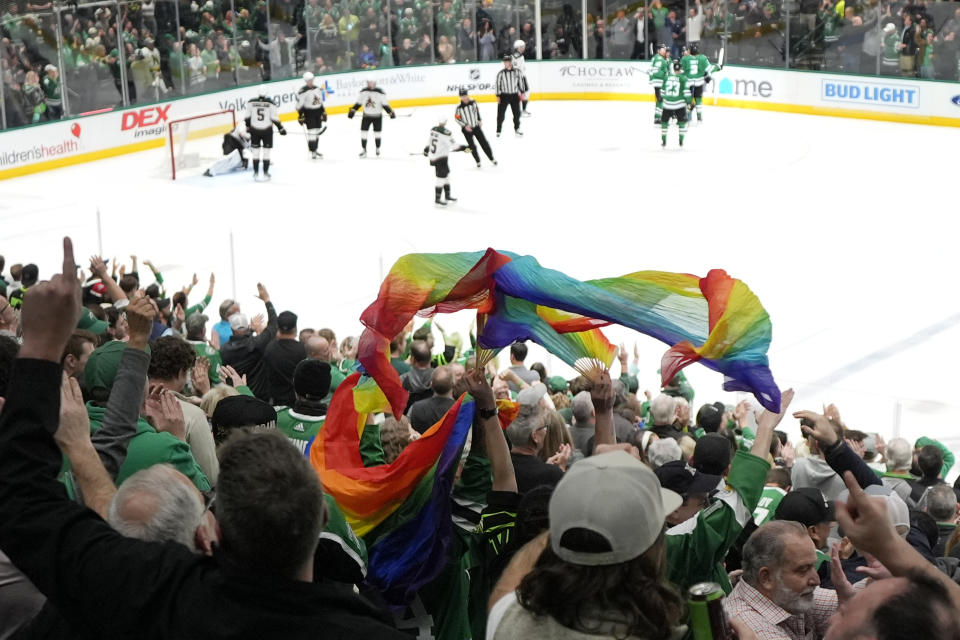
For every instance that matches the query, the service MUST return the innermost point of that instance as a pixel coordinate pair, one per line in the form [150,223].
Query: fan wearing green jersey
[676,100]
[658,71]
[300,423]
[697,68]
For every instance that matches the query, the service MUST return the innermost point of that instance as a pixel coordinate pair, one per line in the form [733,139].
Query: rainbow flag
[715,320]
[403,508]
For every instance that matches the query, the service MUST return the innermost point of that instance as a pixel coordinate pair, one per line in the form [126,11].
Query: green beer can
[708,620]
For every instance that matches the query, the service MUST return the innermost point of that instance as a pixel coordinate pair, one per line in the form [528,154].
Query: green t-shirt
[400,365]
[206,351]
[769,501]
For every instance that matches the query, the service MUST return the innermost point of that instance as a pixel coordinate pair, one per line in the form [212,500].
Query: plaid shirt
[770,622]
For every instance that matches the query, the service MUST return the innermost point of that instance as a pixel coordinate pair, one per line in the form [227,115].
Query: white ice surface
[842,227]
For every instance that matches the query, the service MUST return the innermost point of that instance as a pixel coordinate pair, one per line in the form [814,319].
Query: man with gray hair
[897,476]
[940,501]
[583,421]
[160,504]
[662,451]
[779,594]
[526,434]
[663,410]
[244,352]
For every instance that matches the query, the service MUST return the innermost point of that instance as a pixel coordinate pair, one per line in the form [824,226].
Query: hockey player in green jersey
[658,71]
[676,100]
[697,69]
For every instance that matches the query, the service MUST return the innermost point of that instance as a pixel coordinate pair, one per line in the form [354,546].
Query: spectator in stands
[405,55]
[425,413]
[418,380]
[897,476]
[622,36]
[599,573]
[929,462]
[582,430]
[280,359]
[518,353]
[79,347]
[488,41]
[778,595]
[940,501]
[908,46]
[244,351]
[813,470]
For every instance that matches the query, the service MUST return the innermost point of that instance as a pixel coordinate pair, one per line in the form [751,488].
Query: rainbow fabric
[715,320]
[403,508]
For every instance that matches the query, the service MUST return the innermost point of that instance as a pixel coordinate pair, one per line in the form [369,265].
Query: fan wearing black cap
[807,506]
[714,512]
[280,358]
[301,422]
[468,117]
[28,277]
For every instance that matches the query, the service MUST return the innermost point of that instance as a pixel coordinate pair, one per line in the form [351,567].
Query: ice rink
[842,227]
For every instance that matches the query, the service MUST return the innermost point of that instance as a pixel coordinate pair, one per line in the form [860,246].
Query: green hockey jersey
[676,91]
[696,548]
[769,501]
[300,429]
[658,70]
[891,52]
[697,68]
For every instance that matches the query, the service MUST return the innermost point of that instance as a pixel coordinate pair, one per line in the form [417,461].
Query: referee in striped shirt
[468,117]
[510,87]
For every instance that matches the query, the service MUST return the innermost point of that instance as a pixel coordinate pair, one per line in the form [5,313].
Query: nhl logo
[474,74]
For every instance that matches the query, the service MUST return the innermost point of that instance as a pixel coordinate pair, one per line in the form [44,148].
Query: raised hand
[98,267]
[50,311]
[480,389]
[561,457]
[864,520]
[258,323]
[73,431]
[140,314]
[165,414]
[822,429]
[262,293]
[769,420]
[602,393]
[201,375]
[235,378]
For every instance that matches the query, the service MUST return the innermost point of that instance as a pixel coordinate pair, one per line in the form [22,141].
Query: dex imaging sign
[904,96]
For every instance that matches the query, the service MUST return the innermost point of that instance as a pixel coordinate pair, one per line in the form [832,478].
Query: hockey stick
[719,64]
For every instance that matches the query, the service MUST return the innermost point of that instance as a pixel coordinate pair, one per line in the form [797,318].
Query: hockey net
[196,141]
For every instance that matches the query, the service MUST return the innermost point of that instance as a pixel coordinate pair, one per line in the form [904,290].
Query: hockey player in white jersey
[261,116]
[438,151]
[312,113]
[520,64]
[373,102]
[236,152]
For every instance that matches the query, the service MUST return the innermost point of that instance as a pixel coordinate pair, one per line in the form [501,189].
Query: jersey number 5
[260,116]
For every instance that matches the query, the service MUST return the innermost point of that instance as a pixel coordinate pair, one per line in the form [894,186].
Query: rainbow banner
[403,508]
[715,320]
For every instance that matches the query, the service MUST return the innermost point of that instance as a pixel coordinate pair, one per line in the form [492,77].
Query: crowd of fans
[154,482]
[156,48]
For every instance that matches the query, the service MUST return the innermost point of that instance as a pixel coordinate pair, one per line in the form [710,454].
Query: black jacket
[280,359]
[245,354]
[118,587]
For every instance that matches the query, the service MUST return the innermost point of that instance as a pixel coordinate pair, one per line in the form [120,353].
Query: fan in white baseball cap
[604,571]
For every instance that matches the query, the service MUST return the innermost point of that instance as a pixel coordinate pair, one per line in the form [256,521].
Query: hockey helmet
[371,83]
[694,50]
[519,44]
[308,77]
[661,47]
[507,58]
[463,91]
[676,66]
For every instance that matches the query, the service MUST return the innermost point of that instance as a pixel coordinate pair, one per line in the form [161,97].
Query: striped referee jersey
[468,115]
[510,81]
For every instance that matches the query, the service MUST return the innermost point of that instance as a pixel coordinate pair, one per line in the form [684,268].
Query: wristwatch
[486,414]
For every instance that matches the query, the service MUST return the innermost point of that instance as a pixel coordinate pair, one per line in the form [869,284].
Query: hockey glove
[351,113]
[707,79]
[302,119]
[282,131]
[425,151]
[323,117]
[393,115]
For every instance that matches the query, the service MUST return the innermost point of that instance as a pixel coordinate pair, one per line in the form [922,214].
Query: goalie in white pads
[438,152]
[373,102]
[236,151]
[312,113]
[261,116]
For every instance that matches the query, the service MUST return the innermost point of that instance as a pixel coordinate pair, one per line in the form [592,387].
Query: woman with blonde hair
[557,439]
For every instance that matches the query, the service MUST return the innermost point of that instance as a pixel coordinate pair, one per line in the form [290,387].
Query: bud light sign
[871,93]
